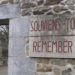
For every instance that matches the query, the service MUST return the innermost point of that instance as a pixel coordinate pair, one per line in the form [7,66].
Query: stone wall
[19,14]
[19,61]
[46,7]
[42,7]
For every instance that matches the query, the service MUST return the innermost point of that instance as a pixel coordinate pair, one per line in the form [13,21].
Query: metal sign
[52,36]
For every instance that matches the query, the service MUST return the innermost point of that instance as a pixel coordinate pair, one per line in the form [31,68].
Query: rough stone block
[28,5]
[26,12]
[43,65]
[13,1]
[71,7]
[70,2]
[45,61]
[16,47]
[52,2]
[9,11]
[19,27]
[4,2]
[41,10]
[59,62]
[57,70]
[21,66]
[40,2]
[60,9]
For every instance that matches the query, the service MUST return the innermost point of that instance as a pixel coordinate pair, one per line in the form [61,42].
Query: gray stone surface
[9,11]
[16,47]
[19,27]
[18,64]
[21,66]
[51,35]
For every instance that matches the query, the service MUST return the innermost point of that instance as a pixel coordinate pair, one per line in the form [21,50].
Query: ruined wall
[19,62]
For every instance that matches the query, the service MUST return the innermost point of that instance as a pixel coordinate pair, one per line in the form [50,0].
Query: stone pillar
[18,63]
